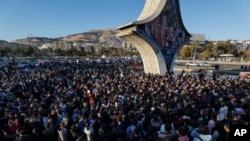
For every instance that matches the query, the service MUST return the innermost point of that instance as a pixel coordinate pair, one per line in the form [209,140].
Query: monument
[158,34]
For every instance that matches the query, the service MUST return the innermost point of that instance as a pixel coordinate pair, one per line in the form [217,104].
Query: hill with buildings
[100,39]
[96,38]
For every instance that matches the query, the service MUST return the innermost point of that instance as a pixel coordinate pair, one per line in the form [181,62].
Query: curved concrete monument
[158,34]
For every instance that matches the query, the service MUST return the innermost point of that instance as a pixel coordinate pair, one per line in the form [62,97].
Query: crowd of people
[77,102]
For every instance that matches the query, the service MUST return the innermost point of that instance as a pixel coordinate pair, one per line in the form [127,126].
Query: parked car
[191,64]
[205,64]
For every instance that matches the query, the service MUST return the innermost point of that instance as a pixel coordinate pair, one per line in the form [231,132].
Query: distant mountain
[94,35]
[105,37]
[2,42]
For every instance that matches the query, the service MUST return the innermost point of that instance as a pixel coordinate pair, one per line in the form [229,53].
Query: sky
[217,19]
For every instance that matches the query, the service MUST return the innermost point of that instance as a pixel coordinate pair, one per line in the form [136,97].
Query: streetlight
[216,47]
[28,37]
[194,52]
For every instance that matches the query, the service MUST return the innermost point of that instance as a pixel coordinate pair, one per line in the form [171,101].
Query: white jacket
[203,138]
[89,132]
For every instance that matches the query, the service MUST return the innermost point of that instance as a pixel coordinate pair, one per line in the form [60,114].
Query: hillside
[105,37]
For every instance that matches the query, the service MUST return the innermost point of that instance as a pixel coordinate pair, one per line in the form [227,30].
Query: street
[233,68]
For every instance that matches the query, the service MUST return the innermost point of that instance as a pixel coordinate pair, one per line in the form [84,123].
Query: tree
[50,51]
[186,51]
[208,46]
[5,51]
[206,54]
[59,51]
[120,51]
[98,51]
[92,50]
[247,55]
[224,48]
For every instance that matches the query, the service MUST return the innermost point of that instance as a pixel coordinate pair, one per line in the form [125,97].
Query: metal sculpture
[158,34]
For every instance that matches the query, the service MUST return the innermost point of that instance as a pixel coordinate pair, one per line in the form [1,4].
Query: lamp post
[28,37]
[194,52]
[29,45]
[216,49]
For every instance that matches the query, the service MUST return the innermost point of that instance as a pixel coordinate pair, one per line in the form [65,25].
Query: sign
[241,132]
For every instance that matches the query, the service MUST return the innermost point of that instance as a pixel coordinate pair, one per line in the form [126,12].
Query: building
[198,37]
[227,57]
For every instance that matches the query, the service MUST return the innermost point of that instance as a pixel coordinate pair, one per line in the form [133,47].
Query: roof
[226,55]
[197,37]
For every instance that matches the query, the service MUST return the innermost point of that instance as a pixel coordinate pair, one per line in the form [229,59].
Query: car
[205,64]
[191,64]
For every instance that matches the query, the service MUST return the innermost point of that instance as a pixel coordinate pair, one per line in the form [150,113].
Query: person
[223,111]
[49,132]
[242,67]
[183,101]
[7,136]
[89,131]
[211,125]
[224,132]
[22,135]
[130,131]
[62,133]
[203,134]
[216,66]
[182,133]
[167,133]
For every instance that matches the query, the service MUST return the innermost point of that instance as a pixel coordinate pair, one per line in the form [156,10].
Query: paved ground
[232,70]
